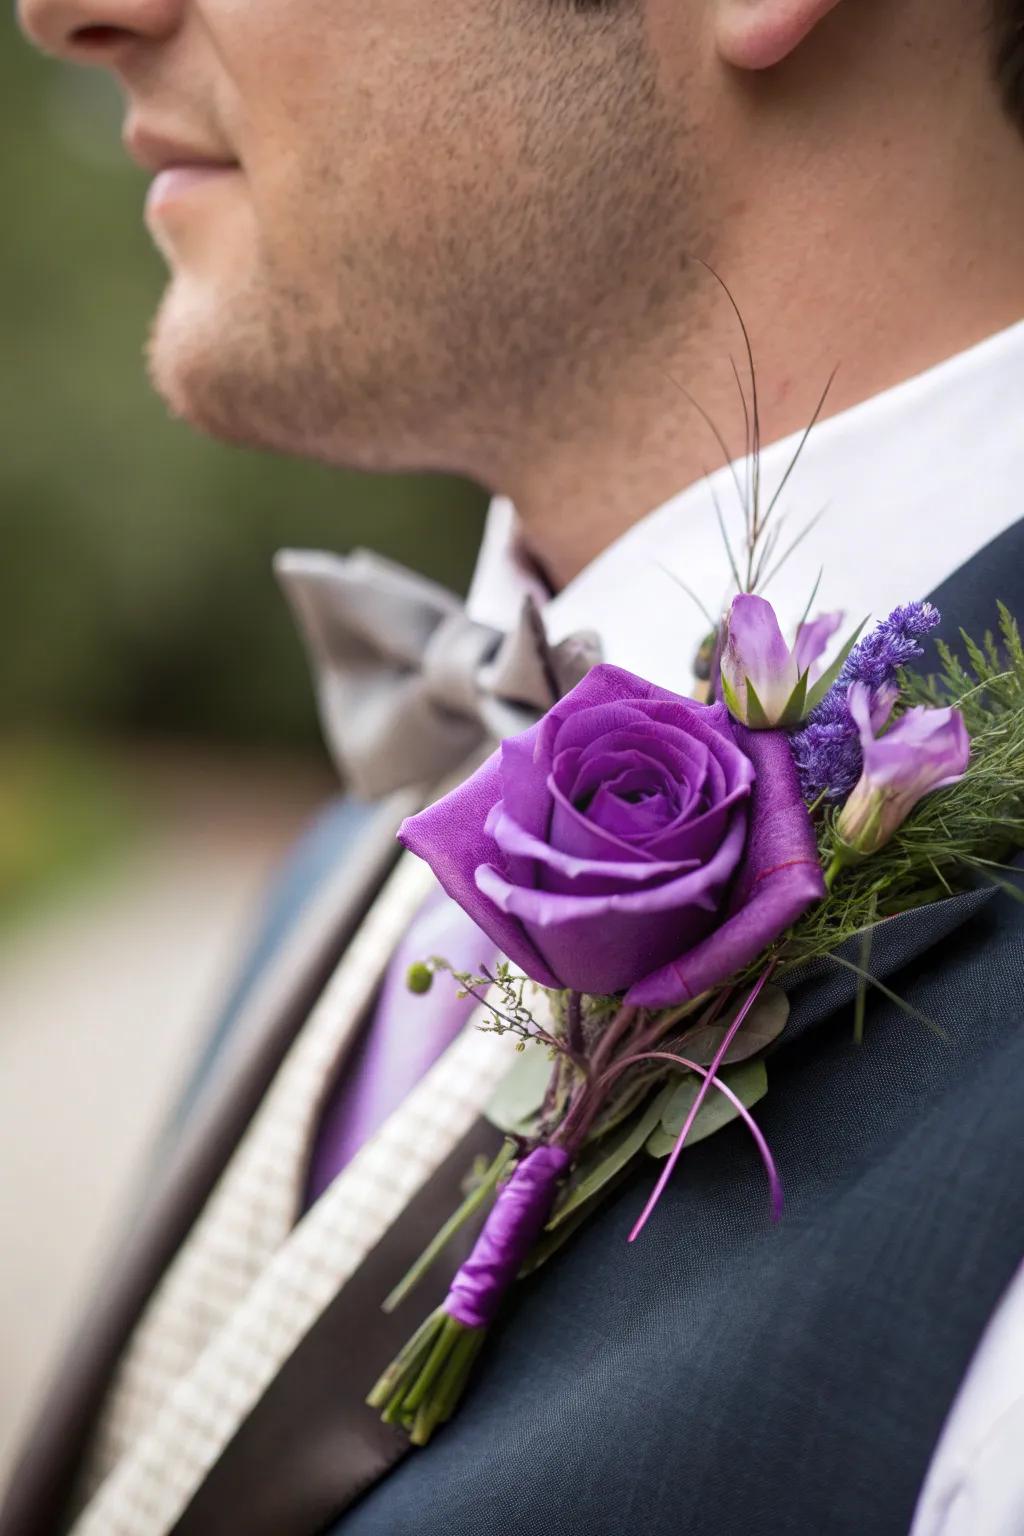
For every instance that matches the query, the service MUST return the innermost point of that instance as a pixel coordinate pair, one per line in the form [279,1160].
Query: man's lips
[175,181]
[180,164]
[158,152]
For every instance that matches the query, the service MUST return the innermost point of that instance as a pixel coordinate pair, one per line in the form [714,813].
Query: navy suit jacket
[721,1375]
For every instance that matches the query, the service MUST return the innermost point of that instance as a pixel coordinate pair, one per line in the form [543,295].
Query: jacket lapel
[312,1425]
[153,1485]
[42,1482]
[967,600]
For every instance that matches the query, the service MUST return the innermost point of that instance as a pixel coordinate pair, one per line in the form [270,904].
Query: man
[465,238]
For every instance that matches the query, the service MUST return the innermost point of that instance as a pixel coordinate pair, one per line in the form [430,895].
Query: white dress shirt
[914,482]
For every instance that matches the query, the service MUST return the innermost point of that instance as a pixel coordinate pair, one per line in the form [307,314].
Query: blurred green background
[159,750]
[136,595]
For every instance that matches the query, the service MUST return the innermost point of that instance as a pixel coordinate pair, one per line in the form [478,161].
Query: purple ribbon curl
[508,1234]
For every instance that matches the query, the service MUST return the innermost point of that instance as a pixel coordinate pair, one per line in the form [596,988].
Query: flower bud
[764,680]
[419,978]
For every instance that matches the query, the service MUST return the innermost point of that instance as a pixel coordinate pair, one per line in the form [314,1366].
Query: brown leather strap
[312,1427]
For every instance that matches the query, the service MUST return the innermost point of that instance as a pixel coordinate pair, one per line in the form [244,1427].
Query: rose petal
[606,941]
[451,836]
[698,838]
[570,831]
[724,765]
[682,777]
[779,879]
[600,943]
[593,773]
[634,820]
[684,758]
[569,874]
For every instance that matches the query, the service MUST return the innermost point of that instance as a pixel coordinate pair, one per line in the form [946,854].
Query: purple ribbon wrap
[508,1234]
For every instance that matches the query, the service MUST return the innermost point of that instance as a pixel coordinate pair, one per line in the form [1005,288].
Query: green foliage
[516,1104]
[749,1082]
[601,1164]
[955,836]
[508,1013]
[135,585]
[764,1023]
[987,689]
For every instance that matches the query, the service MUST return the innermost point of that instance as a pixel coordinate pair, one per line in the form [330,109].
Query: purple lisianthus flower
[925,749]
[761,673]
[632,841]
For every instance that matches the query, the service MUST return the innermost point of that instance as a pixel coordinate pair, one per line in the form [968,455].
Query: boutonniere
[654,870]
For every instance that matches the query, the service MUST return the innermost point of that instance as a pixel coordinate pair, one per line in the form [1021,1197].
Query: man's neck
[574,502]
[913,260]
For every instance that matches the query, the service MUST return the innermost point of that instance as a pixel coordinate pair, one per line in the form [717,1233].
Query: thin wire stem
[712,1072]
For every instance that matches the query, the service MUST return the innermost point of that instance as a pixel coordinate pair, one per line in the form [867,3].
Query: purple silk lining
[402,1040]
[510,1231]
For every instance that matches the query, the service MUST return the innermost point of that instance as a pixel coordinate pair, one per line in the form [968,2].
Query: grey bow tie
[407,685]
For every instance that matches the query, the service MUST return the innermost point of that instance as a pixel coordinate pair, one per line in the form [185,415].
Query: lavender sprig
[827,750]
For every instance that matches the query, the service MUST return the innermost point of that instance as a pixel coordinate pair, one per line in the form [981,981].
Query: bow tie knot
[456,653]
[407,684]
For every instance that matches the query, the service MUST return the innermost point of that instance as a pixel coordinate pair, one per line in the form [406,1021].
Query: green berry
[419,978]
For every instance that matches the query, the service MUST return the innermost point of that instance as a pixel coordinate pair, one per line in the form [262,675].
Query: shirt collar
[910,484]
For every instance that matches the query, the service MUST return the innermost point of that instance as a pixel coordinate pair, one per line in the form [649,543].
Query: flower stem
[574,1022]
[587,1102]
[439,1406]
[392,1384]
[472,1203]
[438,1358]
[421,1389]
[619,1026]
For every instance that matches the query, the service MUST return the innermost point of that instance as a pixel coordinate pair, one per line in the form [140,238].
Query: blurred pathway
[103,1001]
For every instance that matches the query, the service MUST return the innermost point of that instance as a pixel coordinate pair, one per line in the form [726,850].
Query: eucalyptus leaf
[550,1240]
[763,1024]
[625,1103]
[749,1082]
[610,1157]
[516,1103]
[659,1143]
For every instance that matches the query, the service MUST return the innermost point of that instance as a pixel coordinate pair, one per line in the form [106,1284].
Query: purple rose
[632,841]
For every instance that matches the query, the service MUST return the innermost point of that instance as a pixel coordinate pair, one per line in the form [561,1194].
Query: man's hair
[1009,55]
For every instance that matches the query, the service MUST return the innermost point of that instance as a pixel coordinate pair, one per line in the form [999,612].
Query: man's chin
[230,361]
[206,374]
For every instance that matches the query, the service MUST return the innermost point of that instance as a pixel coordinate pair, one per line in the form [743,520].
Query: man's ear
[755,34]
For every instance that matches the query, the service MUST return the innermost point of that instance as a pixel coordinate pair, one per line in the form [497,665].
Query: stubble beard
[453,352]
